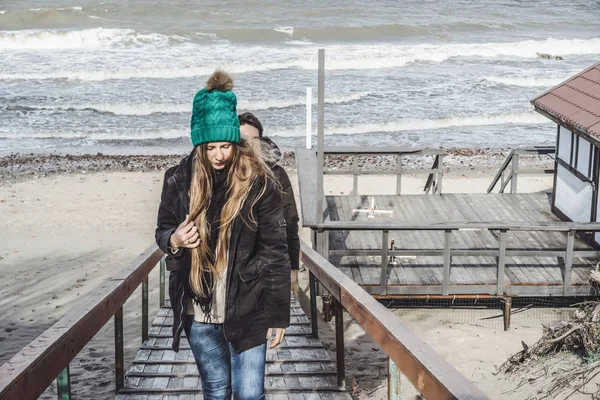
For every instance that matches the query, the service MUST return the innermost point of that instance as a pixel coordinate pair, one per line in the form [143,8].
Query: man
[251,128]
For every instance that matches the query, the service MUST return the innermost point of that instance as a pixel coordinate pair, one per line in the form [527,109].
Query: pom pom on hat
[219,80]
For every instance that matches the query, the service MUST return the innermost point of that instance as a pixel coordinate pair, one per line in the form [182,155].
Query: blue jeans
[223,372]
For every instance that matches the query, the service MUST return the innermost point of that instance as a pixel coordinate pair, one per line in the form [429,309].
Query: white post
[308,118]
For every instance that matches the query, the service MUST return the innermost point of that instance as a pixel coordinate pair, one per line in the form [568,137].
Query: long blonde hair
[247,164]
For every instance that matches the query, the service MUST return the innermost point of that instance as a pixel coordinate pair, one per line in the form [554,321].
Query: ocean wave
[422,124]
[339,57]
[156,73]
[168,134]
[399,56]
[65,39]
[527,81]
[44,18]
[352,129]
[144,109]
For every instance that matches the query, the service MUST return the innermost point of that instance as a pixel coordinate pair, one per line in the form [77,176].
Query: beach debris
[580,337]
[548,56]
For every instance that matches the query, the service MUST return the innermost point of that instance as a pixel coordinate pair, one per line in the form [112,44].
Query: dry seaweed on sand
[580,337]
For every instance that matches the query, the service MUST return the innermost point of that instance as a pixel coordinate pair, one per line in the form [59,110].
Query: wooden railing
[428,372]
[34,368]
[434,180]
[512,160]
[570,228]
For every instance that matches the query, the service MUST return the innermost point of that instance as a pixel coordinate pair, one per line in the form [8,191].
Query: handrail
[513,158]
[430,374]
[27,374]
[500,172]
[456,226]
[386,150]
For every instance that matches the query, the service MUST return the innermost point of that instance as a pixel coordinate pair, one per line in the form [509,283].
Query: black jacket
[258,274]
[290,212]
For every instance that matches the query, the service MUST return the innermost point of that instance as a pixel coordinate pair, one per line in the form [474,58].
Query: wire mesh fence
[530,312]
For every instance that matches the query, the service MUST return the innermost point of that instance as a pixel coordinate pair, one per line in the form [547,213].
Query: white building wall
[573,197]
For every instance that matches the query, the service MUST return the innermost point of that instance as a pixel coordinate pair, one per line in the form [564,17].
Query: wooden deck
[300,368]
[535,273]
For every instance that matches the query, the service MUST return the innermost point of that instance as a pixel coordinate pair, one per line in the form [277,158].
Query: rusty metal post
[119,353]
[506,312]
[63,383]
[145,309]
[327,308]
[339,344]
[313,305]
[163,267]
[393,381]
[312,287]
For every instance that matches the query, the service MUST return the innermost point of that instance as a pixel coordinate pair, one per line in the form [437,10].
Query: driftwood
[580,336]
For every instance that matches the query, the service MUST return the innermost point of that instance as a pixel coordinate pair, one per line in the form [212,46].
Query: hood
[273,155]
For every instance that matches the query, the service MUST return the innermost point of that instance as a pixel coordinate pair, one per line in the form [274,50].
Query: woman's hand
[276,338]
[186,235]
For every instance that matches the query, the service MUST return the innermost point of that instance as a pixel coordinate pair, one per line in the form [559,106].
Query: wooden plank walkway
[299,369]
[524,275]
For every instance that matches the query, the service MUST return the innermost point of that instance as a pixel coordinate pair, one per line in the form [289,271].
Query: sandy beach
[67,230]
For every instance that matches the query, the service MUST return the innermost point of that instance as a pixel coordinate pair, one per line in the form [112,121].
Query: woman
[221,224]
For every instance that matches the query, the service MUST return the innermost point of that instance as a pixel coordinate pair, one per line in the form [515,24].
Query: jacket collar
[181,178]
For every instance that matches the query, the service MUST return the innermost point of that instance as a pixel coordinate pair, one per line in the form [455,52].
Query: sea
[82,77]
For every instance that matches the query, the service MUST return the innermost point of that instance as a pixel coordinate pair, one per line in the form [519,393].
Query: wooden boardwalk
[356,252]
[300,368]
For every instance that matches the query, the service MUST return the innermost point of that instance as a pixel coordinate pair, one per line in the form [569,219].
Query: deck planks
[300,368]
[415,274]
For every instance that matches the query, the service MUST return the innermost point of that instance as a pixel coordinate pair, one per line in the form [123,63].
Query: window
[575,153]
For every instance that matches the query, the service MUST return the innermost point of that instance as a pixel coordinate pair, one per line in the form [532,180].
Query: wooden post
[308,118]
[119,353]
[355,175]
[440,175]
[394,381]
[515,173]
[446,277]
[501,262]
[321,136]
[339,344]
[384,262]
[63,383]
[506,312]
[145,309]
[399,172]
[568,262]
[163,267]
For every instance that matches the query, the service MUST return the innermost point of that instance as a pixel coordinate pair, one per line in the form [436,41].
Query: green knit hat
[214,116]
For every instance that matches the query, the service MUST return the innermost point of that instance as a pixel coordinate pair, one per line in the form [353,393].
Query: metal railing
[428,372]
[512,160]
[435,173]
[29,373]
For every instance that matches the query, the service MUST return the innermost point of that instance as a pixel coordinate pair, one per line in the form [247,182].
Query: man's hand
[186,235]
[276,338]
